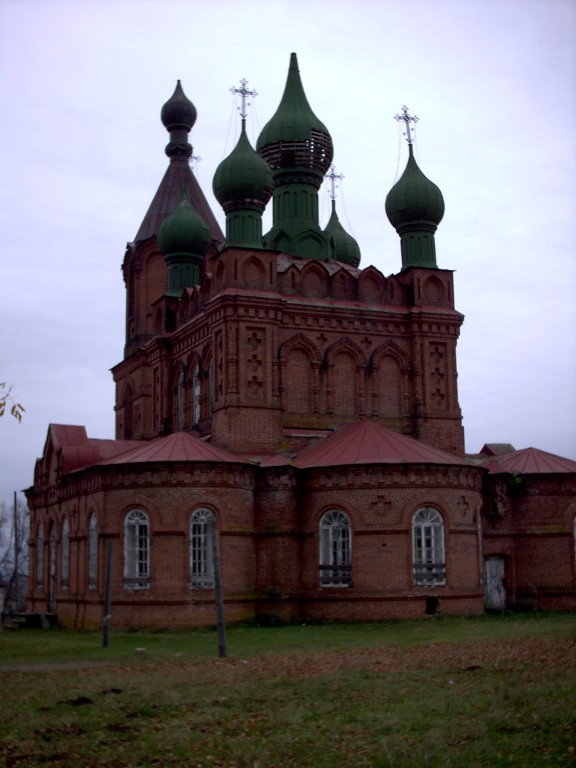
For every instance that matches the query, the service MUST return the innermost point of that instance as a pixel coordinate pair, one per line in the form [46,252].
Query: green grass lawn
[489,691]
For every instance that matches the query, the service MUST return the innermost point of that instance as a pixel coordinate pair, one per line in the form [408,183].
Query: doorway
[495,570]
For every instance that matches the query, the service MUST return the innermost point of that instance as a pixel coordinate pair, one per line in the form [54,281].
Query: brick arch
[348,345]
[194,360]
[299,362]
[300,340]
[205,287]
[253,272]
[342,285]
[314,280]
[434,291]
[186,306]
[291,280]
[371,285]
[344,386]
[220,276]
[389,381]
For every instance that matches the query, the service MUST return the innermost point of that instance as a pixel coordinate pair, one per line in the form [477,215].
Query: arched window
[92,552]
[65,554]
[429,562]
[335,550]
[210,393]
[196,395]
[202,532]
[181,415]
[136,550]
[53,543]
[40,555]
[128,412]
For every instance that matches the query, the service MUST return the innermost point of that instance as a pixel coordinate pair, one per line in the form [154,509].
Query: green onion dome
[184,231]
[294,137]
[243,178]
[178,112]
[344,246]
[414,199]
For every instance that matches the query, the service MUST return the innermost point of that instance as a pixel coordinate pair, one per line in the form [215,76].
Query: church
[287,422]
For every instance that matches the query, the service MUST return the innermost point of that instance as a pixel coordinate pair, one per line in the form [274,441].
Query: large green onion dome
[294,137]
[243,178]
[414,198]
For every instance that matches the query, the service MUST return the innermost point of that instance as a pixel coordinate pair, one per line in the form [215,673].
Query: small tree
[8,401]
[14,524]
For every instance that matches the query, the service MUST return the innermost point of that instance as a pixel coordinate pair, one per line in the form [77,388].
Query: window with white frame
[92,552]
[65,554]
[202,532]
[335,550]
[429,562]
[136,550]
[40,555]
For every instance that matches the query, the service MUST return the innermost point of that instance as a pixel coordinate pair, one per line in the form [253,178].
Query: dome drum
[314,153]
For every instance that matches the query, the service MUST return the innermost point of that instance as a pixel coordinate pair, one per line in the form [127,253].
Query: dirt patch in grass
[469,657]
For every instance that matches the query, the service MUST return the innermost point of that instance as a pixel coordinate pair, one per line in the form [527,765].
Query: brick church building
[293,417]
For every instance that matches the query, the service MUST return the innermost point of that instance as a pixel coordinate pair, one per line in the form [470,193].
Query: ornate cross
[406,118]
[244,93]
[333,176]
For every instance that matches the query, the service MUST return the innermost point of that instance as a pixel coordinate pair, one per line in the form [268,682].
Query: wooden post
[16,595]
[107,582]
[222,644]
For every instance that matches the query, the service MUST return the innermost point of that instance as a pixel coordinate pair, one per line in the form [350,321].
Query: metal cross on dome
[406,118]
[244,93]
[194,160]
[333,176]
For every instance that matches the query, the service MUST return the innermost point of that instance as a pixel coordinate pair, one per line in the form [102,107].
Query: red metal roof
[169,194]
[180,446]
[77,450]
[366,442]
[531,461]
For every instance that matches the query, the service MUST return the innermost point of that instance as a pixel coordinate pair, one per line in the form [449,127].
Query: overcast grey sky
[82,153]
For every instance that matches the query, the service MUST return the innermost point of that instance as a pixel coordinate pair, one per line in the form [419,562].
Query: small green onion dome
[414,198]
[184,231]
[178,112]
[243,176]
[294,136]
[345,247]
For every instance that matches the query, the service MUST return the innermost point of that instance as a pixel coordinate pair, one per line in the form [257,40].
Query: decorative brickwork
[300,409]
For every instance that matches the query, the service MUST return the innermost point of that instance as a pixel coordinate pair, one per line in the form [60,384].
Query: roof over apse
[366,442]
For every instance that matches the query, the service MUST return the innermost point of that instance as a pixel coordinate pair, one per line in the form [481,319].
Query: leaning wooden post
[222,645]
[107,582]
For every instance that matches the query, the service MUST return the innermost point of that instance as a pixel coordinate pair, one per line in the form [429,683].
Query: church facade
[288,421]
